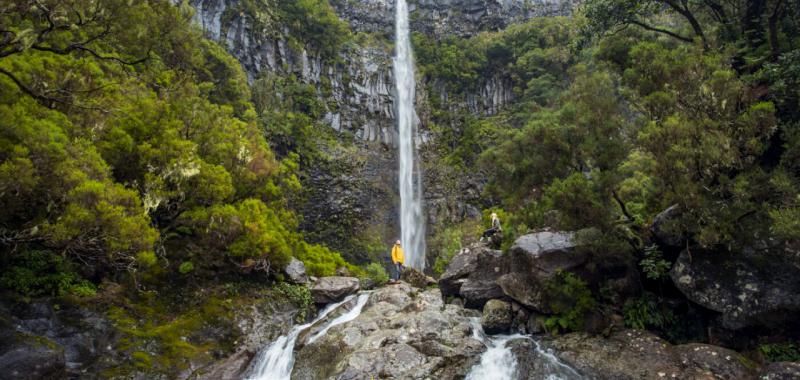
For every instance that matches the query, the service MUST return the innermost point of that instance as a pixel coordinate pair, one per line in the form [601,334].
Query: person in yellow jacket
[397,258]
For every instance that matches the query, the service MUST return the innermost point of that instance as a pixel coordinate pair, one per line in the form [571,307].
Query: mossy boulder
[496,317]
[30,357]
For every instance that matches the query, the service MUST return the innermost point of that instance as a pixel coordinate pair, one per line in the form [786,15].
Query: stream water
[498,362]
[412,220]
[276,361]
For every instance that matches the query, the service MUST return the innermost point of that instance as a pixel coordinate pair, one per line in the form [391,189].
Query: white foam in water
[499,363]
[277,361]
[412,221]
[344,318]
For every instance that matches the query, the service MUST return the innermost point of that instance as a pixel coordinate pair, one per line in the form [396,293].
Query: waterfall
[498,362]
[412,221]
[277,360]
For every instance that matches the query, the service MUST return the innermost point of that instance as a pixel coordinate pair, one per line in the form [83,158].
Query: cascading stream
[498,362]
[412,221]
[277,360]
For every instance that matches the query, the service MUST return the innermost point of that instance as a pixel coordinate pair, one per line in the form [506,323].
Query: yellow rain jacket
[397,254]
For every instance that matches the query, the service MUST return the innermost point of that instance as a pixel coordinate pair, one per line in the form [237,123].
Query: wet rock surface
[496,317]
[401,333]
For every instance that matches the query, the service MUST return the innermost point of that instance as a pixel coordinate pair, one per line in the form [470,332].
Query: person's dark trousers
[398,270]
[490,232]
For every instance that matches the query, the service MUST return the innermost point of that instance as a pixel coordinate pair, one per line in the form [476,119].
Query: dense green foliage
[129,145]
[570,301]
[377,273]
[608,129]
[780,352]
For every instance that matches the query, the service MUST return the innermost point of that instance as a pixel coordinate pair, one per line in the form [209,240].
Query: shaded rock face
[334,289]
[781,371]
[636,354]
[664,231]
[478,274]
[40,342]
[536,258]
[25,356]
[756,287]
[496,317]
[439,18]
[401,333]
[472,274]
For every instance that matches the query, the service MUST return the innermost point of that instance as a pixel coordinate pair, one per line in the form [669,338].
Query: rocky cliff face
[357,88]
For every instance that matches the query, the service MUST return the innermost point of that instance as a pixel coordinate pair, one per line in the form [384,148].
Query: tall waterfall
[412,221]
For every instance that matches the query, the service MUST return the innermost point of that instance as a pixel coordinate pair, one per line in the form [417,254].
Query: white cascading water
[412,221]
[277,360]
[498,362]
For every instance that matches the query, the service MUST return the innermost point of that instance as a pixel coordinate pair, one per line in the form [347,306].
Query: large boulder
[478,274]
[496,317]
[719,362]
[637,354]
[750,287]
[533,363]
[665,230]
[401,333]
[30,357]
[333,289]
[296,271]
[416,278]
[472,274]
[781,371]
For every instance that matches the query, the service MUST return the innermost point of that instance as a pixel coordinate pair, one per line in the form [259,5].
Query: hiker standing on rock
[398,259]
[488,234]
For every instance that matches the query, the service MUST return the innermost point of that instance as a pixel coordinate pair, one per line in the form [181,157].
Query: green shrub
[300,295]
[43,273]
[570,300]
[186,267]
[780,352]
[376,272]
[653,264]
[646,312]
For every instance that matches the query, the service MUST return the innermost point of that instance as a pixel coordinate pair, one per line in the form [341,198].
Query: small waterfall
[412,221]
[277,360]
[498,362]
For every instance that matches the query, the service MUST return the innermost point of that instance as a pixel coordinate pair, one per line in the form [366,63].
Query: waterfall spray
[412,221]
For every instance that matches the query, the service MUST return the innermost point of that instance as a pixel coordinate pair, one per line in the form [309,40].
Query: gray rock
[665,230]
[30,357]
[416,278]
[717,362]
[781,371]
[401,333]
[756,287]
[296,271]
[231,368]
[333,289]
[535,324]
[535,364]
[497,317]
[535,259]
[636,354]
[472,275]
